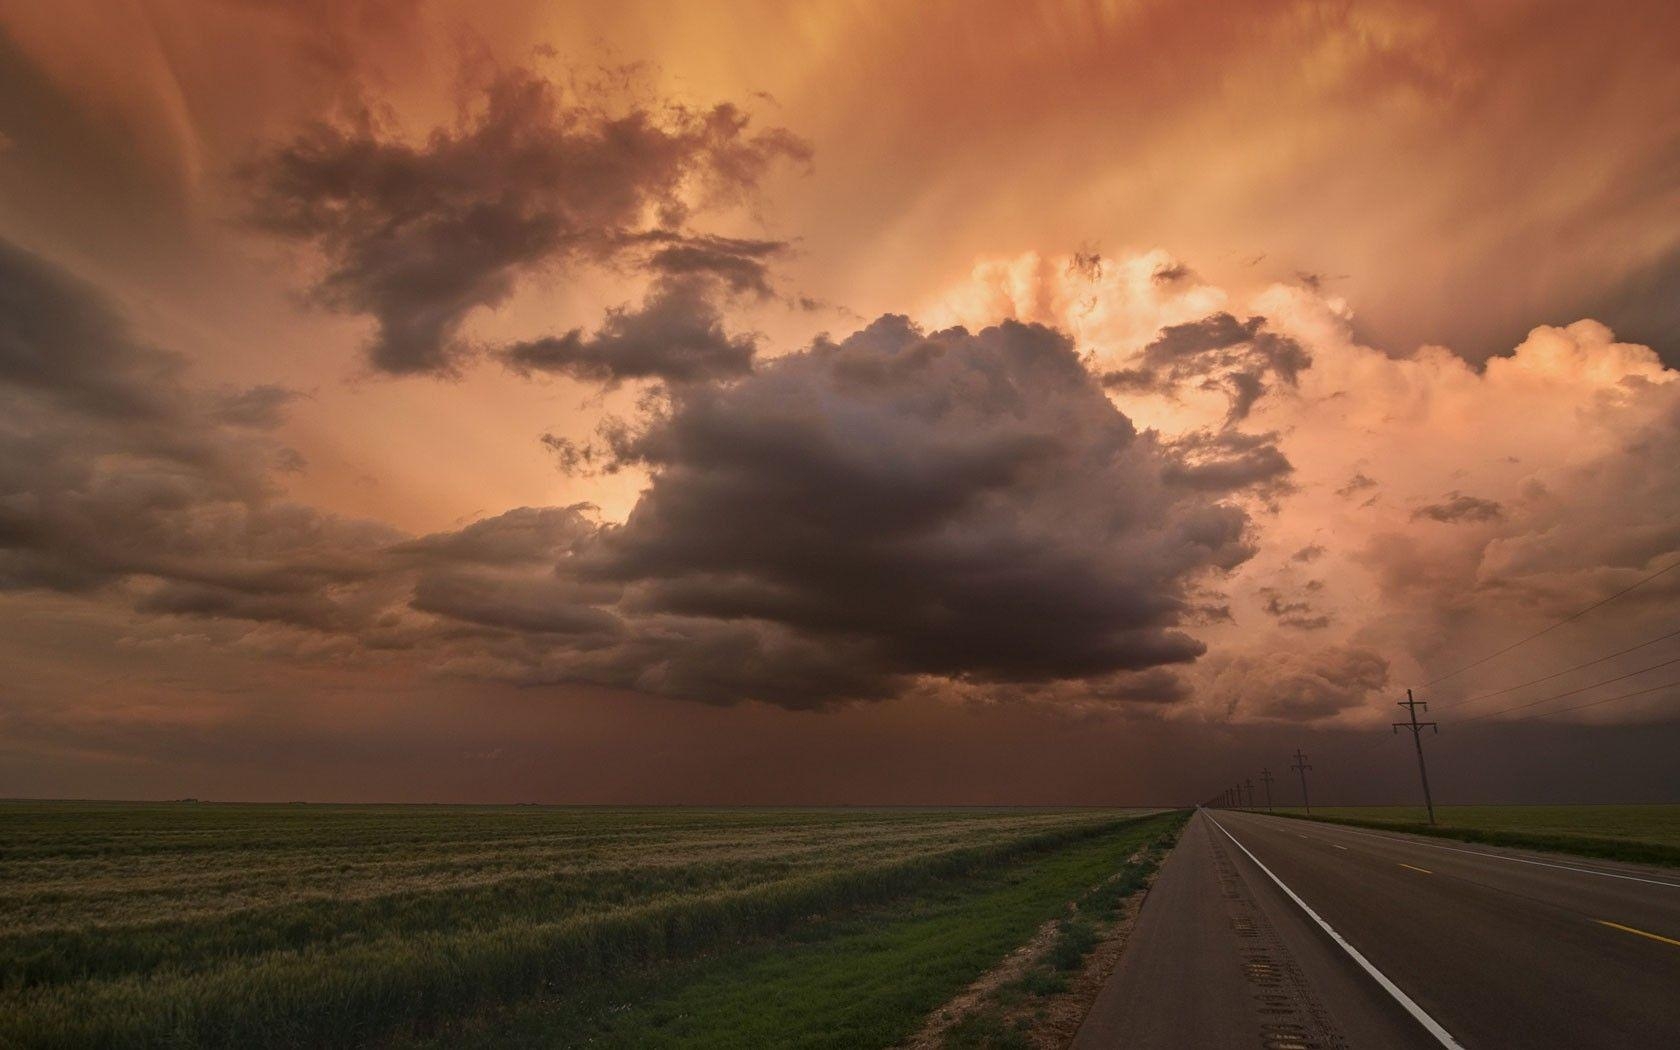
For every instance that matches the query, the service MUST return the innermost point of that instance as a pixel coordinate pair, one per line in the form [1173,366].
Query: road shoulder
[1220,957]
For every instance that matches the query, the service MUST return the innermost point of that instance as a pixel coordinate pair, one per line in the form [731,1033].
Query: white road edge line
[1496,856]
[1429,1023]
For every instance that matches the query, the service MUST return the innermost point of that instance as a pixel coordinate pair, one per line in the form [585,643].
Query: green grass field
[212,925]
[1649,834]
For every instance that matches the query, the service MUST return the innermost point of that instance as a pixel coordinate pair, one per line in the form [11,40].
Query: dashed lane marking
[1506,857]
[1640,933]
[1414,867]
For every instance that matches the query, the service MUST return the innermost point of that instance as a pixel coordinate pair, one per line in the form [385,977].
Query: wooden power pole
[1301,767]
[1417,728]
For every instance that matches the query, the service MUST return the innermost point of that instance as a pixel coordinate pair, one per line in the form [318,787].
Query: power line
[1622,696]
[1567,619]
[1566,670]
[1570,692]
[1379,742]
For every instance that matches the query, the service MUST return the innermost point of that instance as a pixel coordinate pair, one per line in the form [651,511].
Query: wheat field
[227,925]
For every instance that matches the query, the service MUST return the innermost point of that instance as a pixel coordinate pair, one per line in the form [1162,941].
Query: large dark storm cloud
[892,513]
[848,522]
[417,235]
[968,504]
[848,519]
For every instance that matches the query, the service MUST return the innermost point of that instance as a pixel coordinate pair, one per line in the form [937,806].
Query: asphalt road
[1409,942]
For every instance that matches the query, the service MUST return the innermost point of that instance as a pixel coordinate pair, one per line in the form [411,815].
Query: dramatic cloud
[1173,339]
[504,573]
[1228,460]
[848,522]
[523,536]
[959,513]
[677,335]
[1356,484]
[898,506]
[115,475]
[61,343]
[1558,460]
[742,265]
[199,516]
[259,407]
[1294,686]
[1457,507]
[1218,352]
[418,235]
[1295,612]
[981,509]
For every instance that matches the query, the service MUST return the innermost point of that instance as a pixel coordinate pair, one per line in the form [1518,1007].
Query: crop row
[345,993]
[170,928]
[192,886]
[41,831]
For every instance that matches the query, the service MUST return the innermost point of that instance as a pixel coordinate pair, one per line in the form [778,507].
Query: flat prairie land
[280,926]
[1637,833]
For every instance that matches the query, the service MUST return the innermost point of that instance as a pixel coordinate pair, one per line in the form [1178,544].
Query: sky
[837,403]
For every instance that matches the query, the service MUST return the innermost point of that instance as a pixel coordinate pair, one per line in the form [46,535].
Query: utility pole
[1266,778]
[1416,727]
[1249,782]
[1301,767]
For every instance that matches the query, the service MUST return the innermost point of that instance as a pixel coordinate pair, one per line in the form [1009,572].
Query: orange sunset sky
[833,402]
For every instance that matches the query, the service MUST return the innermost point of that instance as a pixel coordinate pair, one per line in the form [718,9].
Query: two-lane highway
[1262,930]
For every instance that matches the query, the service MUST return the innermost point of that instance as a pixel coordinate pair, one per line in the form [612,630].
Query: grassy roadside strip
[352,994]
[1015,1015]
[1580,845]
[867,978]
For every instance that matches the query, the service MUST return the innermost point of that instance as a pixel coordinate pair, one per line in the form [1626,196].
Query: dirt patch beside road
[1039,994]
